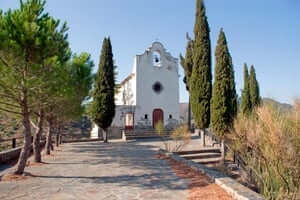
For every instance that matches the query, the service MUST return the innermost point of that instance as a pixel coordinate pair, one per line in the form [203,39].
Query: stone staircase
[143,134]
[205,156]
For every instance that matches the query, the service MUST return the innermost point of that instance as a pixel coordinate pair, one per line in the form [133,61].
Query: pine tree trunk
[60,139]
[37,139]
[57,136]
[49,145]
[105,138]
[27,140]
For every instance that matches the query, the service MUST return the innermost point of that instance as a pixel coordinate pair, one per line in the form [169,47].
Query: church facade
[150,93]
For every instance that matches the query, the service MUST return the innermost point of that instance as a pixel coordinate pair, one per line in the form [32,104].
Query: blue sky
[263,33]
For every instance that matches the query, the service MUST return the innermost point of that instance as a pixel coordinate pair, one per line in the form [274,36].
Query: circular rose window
[157,87]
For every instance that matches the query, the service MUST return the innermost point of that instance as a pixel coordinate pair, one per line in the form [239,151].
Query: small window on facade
[170,116]
[146,116]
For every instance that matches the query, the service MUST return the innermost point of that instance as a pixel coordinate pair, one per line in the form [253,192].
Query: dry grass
[269,143]
[179,138]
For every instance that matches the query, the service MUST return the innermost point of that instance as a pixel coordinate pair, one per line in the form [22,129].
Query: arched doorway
[158,115]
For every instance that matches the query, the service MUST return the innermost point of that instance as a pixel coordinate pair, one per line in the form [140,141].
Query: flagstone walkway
[114,171]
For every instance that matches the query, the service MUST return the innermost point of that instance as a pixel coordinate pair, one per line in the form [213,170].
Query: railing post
[14,143]
[234,157]
[60,139]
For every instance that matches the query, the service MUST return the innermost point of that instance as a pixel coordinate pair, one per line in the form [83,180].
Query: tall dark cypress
[246,102]
[200,82]
[224,99]
[103,105]
[187,64]
[254,88]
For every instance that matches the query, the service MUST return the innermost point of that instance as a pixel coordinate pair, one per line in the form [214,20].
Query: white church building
[150,93]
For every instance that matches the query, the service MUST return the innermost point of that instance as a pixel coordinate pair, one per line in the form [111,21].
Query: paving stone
[114,171]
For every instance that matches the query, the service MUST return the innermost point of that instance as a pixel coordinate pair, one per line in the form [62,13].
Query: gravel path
[114,171]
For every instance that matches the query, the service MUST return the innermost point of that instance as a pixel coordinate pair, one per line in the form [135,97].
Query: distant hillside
[282,106]
[183,110]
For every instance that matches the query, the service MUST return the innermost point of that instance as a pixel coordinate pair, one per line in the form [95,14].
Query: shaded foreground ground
[107,171]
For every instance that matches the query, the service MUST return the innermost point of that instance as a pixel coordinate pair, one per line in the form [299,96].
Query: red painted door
[158,115]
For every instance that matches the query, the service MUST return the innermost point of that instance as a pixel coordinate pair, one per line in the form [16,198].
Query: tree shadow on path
[133,163]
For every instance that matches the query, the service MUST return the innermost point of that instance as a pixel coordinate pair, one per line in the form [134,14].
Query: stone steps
[135,137]
[201,156]
[208,161]
[205,156]
[204,150]
[143,134]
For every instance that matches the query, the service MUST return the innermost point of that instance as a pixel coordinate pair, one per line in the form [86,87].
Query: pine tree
[254,88]
[246,102]
[200,82]
[224,99]
[29,39]
[103,105]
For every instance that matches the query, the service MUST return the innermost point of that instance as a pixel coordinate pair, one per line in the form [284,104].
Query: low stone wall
[13,154]
[113,133]
[235,189]
[82,140]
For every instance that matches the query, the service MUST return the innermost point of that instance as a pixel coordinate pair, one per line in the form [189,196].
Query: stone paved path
[115,171]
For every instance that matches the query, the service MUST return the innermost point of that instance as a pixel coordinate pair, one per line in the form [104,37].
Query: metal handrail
[237,159]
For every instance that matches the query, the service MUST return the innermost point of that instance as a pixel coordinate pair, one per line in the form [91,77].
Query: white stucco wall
[138,89]
[127,89]
[127,92]
[119,119]
[147,74]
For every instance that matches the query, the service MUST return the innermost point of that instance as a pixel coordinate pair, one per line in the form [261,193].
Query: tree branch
[8,104]
[10,111]
[7,96]
[4,62]
[35,126]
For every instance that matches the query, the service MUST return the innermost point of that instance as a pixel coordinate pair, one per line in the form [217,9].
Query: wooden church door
[158,115]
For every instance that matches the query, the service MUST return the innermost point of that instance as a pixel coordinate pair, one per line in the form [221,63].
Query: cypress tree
[224,99]
[246,102]
[254,88]
[103,105]
[187,64]
[200,85]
